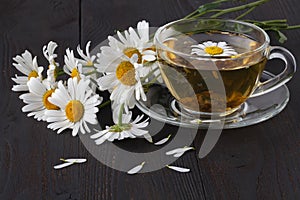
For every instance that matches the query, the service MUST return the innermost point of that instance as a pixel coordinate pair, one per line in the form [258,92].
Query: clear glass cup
[212,66]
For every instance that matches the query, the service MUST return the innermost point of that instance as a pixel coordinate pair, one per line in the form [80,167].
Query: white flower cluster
[64,104]
[123,67]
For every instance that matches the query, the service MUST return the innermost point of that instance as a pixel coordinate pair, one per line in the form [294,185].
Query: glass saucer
[162,106]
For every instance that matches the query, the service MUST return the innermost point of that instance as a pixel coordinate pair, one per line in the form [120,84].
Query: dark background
[257,162]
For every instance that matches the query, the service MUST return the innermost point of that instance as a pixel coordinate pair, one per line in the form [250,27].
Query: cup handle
[283,77]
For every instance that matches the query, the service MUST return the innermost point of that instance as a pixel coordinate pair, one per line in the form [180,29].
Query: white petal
[222,44]
[63,165]
[74,160]
[36,87]
[99,134]
[29,97]
[149,52]
[113,137]
[136,169]
[103,138]
[148,137]
[20,79]
[75,129]
[163,141]
[20,88]
[106,82]
[149,57]
[179,169]
[138,132]
[32,107]
[179,150]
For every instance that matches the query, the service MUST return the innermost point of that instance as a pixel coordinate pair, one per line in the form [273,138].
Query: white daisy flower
[124,130]
[71,65]
[87,59]
[124,82]
[48,51]
[214,49]
[78,105]
[130,43]
[27,66]
[37,99]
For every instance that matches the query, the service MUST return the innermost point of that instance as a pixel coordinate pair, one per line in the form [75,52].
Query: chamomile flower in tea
[214,49]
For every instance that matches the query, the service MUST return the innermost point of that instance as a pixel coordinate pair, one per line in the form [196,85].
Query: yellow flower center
[129,52]
[152,48]
[46,103]
[213,50]
[74,110]
[33,74]
[89,63]
[126,73]
[75,73]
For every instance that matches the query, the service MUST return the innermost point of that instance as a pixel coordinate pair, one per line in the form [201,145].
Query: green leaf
[282,37]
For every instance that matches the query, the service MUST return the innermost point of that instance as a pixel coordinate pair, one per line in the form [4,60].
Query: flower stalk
[213,10]
[120,122]
[106,103]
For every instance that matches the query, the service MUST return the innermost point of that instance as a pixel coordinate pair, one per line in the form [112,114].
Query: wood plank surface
[257,162]
[28,149]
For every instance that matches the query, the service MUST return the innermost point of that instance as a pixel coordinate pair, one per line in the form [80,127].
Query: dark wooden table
[257,162]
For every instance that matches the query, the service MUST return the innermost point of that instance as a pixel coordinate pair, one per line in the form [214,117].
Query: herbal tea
[187,79]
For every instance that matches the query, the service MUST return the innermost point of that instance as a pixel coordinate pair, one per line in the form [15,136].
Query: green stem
[146,86]
[213,10]
[275,21]
[120,115]
[60,73]
[154,80]
[238,8]
[149,74]
[89,66]
[203,9]
[92,72]
[267,21]
[278,26]
[106,103]
[245,13]
[292,27]
[206,12]
[93,81]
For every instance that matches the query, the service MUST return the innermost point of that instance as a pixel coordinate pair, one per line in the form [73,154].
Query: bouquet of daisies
[121,68]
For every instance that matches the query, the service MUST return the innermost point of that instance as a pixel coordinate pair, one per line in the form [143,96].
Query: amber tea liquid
[187,79]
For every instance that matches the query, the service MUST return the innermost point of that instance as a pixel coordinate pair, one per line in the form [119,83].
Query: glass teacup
[212,66]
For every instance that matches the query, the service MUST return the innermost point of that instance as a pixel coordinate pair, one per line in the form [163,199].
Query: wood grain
[256,162]
[28,149]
